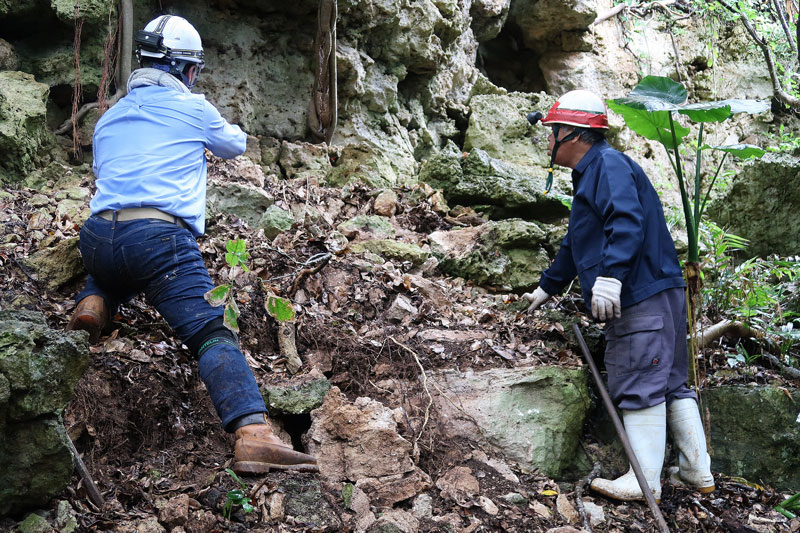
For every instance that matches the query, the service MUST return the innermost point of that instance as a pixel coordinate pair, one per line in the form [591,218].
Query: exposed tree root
[742,330]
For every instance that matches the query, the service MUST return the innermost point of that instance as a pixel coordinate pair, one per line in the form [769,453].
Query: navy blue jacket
[616,230]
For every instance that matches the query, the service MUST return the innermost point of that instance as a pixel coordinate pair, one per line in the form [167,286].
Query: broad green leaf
[706,111]
[237,246]
[218,295]
[742,151]
[280,309]
[654,89]
[746,106]
[653,125]
[231,317]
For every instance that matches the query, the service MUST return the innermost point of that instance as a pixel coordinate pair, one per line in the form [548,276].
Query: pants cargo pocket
[639,343]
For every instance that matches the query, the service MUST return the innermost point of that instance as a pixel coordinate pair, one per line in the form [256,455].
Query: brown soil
[147,431]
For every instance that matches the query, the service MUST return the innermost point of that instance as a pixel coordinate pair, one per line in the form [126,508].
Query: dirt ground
[148,434]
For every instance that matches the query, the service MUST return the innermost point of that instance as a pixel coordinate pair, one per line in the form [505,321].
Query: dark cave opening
[508,64]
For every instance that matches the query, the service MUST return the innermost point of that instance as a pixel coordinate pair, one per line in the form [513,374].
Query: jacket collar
[587,159]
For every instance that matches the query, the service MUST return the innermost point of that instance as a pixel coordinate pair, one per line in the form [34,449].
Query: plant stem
[697,174]
[691,227]
[711,185]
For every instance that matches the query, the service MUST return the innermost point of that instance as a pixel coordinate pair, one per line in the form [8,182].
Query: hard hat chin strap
[556,144]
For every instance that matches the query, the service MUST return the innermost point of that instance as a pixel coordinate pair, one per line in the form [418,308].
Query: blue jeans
[162,260]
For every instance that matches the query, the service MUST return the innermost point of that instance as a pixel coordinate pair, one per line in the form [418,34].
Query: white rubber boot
[694,463]
[647,433]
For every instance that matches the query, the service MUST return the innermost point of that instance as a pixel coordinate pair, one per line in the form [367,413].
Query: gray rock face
[39,369]
[755,434]
[23,128]
[56,266]
[507,254]
[247,202]
[533,416]
[762,206]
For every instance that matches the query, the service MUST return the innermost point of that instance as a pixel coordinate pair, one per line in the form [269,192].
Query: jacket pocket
[640,341]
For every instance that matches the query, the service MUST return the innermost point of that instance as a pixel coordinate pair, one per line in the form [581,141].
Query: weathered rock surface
[23,130]
[508,253]
[56,266]
[39,369]
[762,205]
[755,433]
[533,416]
[359,442]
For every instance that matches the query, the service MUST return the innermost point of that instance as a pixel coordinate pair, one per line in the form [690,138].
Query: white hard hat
[170,37]
[578,108]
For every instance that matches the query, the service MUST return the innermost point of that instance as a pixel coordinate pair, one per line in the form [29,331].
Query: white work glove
[605,299]
[536,298]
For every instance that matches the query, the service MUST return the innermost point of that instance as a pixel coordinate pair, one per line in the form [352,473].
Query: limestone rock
[305,503]
[391,249]
[304,160]
[56,266]
[274,221]
[385,204]
[8,58]
[23,128]
[245,201]
[297,396]
[764,418]
[498,126]
[39,369]
[508,253]
[488,17]
[533,416]
[366,226]
[395,521]
[458,484]
[762,205]
[359,442]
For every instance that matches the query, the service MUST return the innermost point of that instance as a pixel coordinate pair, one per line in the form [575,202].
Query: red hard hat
[578,108]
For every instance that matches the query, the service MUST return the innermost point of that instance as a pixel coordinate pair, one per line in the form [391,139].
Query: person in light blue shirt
[150,168]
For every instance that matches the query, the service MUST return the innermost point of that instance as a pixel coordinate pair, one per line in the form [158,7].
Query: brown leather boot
[90,315]
[258,450]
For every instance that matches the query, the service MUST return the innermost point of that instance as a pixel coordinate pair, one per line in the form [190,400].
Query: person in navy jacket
[150,168]
[619,247]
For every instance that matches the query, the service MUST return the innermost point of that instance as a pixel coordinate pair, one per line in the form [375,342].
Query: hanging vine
[78,87]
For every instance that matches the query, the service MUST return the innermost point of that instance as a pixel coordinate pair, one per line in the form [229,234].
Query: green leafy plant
[652,110]
[785,140]
[236,257]
[236,497]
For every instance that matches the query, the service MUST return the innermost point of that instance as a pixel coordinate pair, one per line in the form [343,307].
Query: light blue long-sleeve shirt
[149,152]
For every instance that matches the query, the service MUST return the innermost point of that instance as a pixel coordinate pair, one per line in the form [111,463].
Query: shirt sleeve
[617,201]
[561,272]
[222,138]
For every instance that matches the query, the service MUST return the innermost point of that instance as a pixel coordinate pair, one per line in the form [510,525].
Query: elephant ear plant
[651,110]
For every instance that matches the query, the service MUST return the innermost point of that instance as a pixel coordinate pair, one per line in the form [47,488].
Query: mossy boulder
[23,127]
[509,253]
[755,433]
[762,205]
[296,399]
[39,369]
[534,416]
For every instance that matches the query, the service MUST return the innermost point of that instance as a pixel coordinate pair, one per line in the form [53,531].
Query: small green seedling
[236,257]
[236,497]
